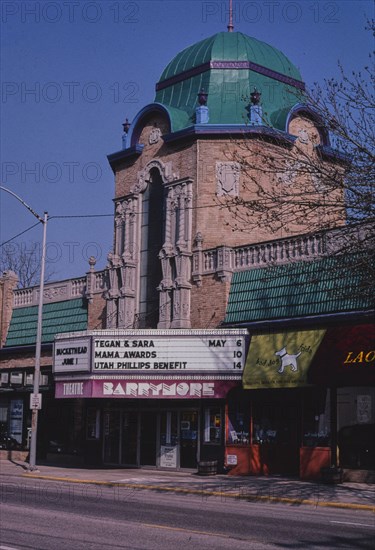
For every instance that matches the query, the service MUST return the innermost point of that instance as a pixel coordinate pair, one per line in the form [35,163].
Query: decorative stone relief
[176,257]
[224,263]
[198,259]
[154,136]
[178,217]
[228,178]
[54,292]
[125,230]
[303,136]
[111,317]
[295,170]
[165,171]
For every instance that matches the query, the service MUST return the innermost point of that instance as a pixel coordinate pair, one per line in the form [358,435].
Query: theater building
[152,398]
[176,373]
[175,254]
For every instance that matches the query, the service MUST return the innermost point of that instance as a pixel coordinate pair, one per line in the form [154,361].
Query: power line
[19,234]
[82,216]
[134,212]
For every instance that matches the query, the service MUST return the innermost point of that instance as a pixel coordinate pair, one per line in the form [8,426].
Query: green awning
[66,316]
[338,284]
[280,360]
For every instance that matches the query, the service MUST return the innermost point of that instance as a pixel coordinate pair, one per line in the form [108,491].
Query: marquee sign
[153,351]
[225,353]
[72,355]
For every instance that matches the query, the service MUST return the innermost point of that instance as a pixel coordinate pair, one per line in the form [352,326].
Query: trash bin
[207,468]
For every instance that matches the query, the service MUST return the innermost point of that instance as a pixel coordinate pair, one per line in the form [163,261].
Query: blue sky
[73,70]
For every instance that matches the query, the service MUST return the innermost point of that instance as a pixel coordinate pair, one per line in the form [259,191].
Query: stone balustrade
[224,260]
[59,291]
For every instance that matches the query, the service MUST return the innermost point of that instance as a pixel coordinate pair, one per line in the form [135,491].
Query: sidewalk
[356,496]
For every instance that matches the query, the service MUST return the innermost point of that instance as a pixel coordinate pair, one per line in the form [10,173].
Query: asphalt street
[44,514]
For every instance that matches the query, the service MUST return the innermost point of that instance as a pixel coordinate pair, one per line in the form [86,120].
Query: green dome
[229,65]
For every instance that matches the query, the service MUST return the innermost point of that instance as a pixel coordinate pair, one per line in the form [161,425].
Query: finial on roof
[255,97]
[202,97]
[230,26]
[202,115]
[126,125]
[256,111]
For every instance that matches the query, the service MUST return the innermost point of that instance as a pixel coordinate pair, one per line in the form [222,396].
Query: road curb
[205,492]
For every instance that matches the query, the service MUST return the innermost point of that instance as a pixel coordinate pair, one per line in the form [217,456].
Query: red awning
[346,357]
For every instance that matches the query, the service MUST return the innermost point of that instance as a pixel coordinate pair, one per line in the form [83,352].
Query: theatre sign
[158,352]
[145,389]
[164,353]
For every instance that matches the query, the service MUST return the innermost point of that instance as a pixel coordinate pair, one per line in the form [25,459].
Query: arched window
[152,235]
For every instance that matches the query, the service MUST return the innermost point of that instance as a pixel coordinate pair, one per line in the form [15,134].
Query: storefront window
[316,419]
[16,420]
[4,379]
[3,423]
[238,427]
[356,427]
[212,425]
[276,422]
[29,379]
[93,423]
[44,379]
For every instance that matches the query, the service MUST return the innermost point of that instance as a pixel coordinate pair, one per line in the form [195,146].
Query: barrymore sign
[157,352]
[155,389]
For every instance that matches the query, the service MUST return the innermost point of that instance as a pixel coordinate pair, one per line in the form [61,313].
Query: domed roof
[229,65]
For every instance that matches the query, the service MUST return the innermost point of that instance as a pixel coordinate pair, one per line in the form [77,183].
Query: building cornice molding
[230,65]
[246,131]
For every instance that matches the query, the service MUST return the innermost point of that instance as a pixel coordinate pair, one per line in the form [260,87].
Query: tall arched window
[152,238]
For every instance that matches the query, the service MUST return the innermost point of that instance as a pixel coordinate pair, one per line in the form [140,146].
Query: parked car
[9,443]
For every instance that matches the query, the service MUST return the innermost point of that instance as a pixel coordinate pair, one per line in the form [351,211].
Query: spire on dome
[230,26]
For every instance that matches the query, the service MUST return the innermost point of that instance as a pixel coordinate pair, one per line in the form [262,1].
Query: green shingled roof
[330,285]
[230,46]
[227,87]
[68,316]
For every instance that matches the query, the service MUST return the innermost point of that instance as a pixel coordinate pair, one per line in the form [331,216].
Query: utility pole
[38,343]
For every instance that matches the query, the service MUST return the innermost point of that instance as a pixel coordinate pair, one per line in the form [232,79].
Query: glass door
[129,438]
[148,438]
[168,455]
[112,422]
[188,439]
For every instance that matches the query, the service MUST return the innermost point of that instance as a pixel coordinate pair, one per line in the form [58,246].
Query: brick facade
[219,168]
[8,282]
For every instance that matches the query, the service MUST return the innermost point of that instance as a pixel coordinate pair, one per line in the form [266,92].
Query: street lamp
[38,344]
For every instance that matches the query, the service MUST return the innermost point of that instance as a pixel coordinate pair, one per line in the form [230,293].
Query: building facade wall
[208,182]
[17,366]
[8,282]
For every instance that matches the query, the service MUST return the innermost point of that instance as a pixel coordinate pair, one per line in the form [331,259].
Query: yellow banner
[280,360]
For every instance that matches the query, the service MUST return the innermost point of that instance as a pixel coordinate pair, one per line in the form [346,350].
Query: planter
[207,468]
[332,475]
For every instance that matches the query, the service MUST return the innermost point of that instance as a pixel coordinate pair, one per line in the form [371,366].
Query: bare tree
[25,261]
[327,167]
[319,176]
